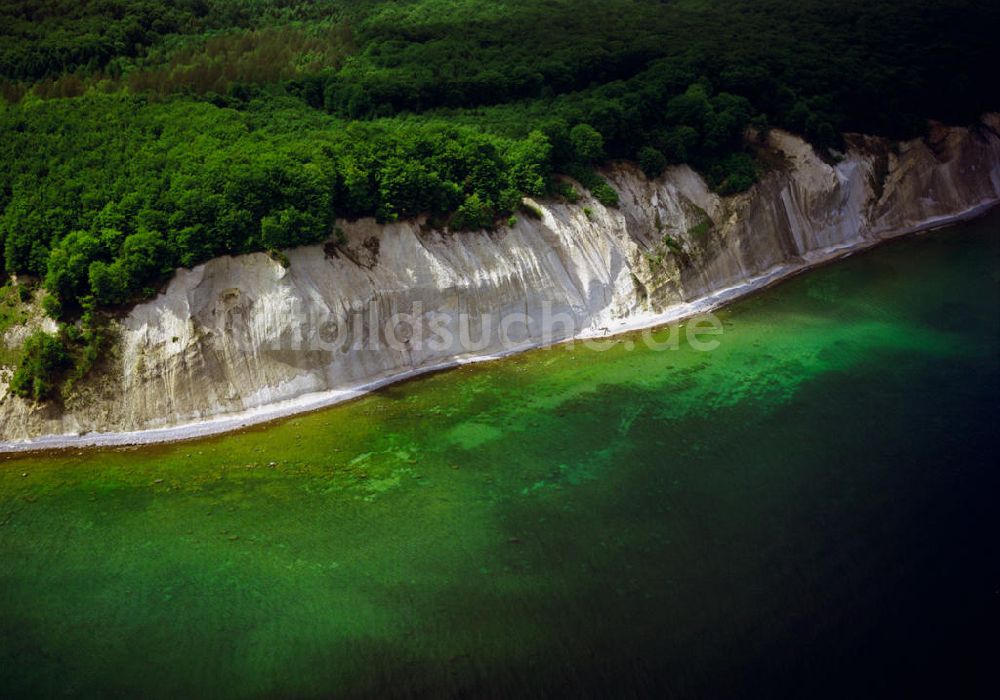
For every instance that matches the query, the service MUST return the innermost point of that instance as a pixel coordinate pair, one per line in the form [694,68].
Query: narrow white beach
[313,401]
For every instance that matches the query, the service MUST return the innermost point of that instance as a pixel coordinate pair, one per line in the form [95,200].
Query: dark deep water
[809,510]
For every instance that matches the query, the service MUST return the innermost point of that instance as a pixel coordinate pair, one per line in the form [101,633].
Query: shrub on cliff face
[567,192]
[472,215]
[531,210]
[652,162]
[44,361]
[605,194]
[598,186]
[733,174]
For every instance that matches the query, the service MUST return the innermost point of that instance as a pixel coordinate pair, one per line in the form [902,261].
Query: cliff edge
[238,335]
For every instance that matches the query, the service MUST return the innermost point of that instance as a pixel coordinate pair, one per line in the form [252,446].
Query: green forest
[137,136]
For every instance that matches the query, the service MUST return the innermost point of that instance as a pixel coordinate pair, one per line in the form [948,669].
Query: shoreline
[307,403]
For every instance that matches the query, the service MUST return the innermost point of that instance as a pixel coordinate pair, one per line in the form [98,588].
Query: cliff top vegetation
[139,136]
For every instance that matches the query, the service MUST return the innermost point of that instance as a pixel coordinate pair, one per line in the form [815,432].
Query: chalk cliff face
[239,333]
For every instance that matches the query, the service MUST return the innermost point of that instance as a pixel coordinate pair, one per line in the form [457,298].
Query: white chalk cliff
[242,334]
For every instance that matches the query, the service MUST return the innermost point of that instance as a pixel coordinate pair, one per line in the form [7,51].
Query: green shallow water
[807,510]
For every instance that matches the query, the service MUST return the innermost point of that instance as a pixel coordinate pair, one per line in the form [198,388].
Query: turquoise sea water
[808,510]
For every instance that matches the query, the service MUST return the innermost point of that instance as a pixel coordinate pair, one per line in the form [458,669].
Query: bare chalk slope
[243,338]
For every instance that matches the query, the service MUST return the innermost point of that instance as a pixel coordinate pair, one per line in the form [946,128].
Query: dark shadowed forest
[140,136]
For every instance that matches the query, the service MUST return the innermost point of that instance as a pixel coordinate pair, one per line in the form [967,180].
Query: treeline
[143,136]
[107,194]
[659,117]
[810,65]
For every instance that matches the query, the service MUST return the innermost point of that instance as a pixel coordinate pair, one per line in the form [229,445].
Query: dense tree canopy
[181,182]
[139,136]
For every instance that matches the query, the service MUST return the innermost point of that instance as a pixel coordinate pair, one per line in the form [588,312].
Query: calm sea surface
[809,510]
